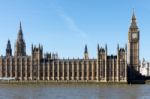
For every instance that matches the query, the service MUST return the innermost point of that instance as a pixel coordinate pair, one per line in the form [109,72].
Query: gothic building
[39,66]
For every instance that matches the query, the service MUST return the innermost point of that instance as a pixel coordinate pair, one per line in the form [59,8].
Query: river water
[65,91]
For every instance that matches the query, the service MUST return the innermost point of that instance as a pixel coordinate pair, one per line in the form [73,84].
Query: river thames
[64,91]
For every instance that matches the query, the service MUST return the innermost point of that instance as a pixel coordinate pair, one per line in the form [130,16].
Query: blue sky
[65,26]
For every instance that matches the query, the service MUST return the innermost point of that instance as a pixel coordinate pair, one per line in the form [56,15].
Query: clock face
[134,35]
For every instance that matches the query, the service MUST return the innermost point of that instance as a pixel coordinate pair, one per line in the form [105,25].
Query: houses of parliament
[105,68]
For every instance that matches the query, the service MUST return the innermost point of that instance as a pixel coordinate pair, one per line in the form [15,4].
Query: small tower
[101,64]
[20,47]
[101,52]
[37,52]
[86,56]
[8,49]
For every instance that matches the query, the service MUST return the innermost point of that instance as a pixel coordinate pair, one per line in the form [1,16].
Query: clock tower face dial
[134,35]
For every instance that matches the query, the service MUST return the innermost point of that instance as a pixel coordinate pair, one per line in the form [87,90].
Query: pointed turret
[97,47]
[85,49]
[106,48]
[20,47]
[8,49]
[117,47]
[86,56]
[126,48]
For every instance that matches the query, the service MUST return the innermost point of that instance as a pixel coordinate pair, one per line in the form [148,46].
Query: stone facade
[145,68]
[39,66]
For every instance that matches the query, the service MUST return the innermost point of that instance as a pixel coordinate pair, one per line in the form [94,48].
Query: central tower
[20,47]
[133,45]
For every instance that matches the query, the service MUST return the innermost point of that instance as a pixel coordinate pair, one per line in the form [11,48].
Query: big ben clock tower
[133,45]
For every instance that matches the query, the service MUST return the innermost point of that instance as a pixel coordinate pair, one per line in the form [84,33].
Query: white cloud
[72,26]
[70,22]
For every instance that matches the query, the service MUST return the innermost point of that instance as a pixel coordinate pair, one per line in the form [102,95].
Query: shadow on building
[135,77]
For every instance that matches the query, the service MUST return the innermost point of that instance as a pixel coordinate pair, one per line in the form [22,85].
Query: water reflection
[75,92]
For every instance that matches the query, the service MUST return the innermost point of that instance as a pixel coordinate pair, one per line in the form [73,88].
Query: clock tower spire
[133,22]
